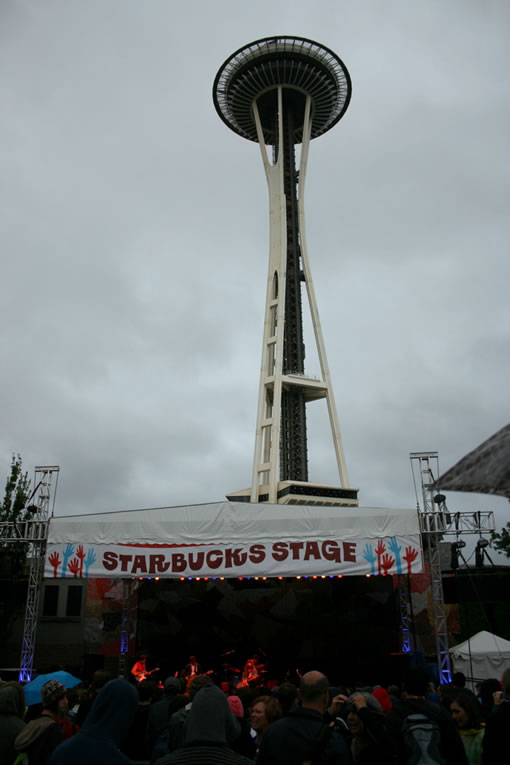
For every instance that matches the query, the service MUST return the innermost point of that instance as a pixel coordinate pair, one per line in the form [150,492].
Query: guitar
[144,675]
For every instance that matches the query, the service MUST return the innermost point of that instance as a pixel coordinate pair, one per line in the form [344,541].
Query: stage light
[280,578]
[197,579]
[368,576]
[323,576]
[182,579]
[206,578]
[264,578]
[298,577]
[156,578]
[314,576]
[140,578]
[240,578]
[339,576]
[256,578]
[222,578]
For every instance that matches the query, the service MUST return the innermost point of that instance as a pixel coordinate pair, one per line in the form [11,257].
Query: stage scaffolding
[33,533]
[436,522]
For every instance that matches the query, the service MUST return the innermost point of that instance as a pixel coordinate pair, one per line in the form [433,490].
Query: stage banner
[284,557]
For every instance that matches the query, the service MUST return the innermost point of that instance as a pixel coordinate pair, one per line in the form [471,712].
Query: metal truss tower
[282,92]
[34,533]
[436,522]
[38,530]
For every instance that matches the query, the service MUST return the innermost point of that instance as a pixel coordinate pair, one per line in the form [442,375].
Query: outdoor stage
[305,585]
[349,628]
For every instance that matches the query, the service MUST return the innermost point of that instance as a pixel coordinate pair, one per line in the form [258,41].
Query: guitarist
[139,669]
[192,668]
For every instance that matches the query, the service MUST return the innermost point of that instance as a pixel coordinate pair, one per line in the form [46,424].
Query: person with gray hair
[371,740]
[495,741]
[303,735]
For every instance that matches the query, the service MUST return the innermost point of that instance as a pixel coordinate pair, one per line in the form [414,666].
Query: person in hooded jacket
[12,712]
[107,722]
[209,731]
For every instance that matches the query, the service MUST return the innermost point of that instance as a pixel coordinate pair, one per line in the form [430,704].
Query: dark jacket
[375,744]
[159,718]
[295,738]
[450,744]
[495,741]
[108,721]
[10,723]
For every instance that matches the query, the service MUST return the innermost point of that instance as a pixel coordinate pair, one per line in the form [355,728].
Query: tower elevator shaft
[293,439]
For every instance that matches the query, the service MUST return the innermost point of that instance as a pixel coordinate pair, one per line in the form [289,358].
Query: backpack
[421,737]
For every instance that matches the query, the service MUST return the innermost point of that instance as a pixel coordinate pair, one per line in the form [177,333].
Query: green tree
[14,510]
[501,540]
[17,492]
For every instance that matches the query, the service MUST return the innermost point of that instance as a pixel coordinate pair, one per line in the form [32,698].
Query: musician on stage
[250,674]
[139,669]
[192,668]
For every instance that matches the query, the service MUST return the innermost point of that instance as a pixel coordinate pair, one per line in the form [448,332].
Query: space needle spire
[281,92]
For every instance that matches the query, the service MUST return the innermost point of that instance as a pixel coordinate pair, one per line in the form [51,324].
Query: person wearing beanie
[43,735]
[107,723]
[382,696]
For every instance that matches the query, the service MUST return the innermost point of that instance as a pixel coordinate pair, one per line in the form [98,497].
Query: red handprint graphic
[410,556]
[381,547]
[387,563]
[81,556]
[54,560]
[74,566]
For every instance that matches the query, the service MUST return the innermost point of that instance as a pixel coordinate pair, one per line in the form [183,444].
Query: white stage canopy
[235,539]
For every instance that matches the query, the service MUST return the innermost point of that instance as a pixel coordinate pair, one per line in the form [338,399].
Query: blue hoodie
[106,724]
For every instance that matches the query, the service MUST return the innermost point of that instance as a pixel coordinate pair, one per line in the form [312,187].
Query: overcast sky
[134,241]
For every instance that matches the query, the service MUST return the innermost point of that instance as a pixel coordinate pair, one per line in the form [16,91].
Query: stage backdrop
[235,539]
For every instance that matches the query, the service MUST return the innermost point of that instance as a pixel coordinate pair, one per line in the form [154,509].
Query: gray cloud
[134,238]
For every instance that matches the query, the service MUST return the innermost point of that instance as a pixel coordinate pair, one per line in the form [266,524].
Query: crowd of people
[117,722]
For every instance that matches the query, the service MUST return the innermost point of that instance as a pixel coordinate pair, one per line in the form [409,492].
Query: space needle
[281,92]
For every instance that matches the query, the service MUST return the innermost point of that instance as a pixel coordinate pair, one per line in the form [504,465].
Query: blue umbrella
[33,688]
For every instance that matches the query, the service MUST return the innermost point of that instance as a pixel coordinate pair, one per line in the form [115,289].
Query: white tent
[482,656]
[232,539]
